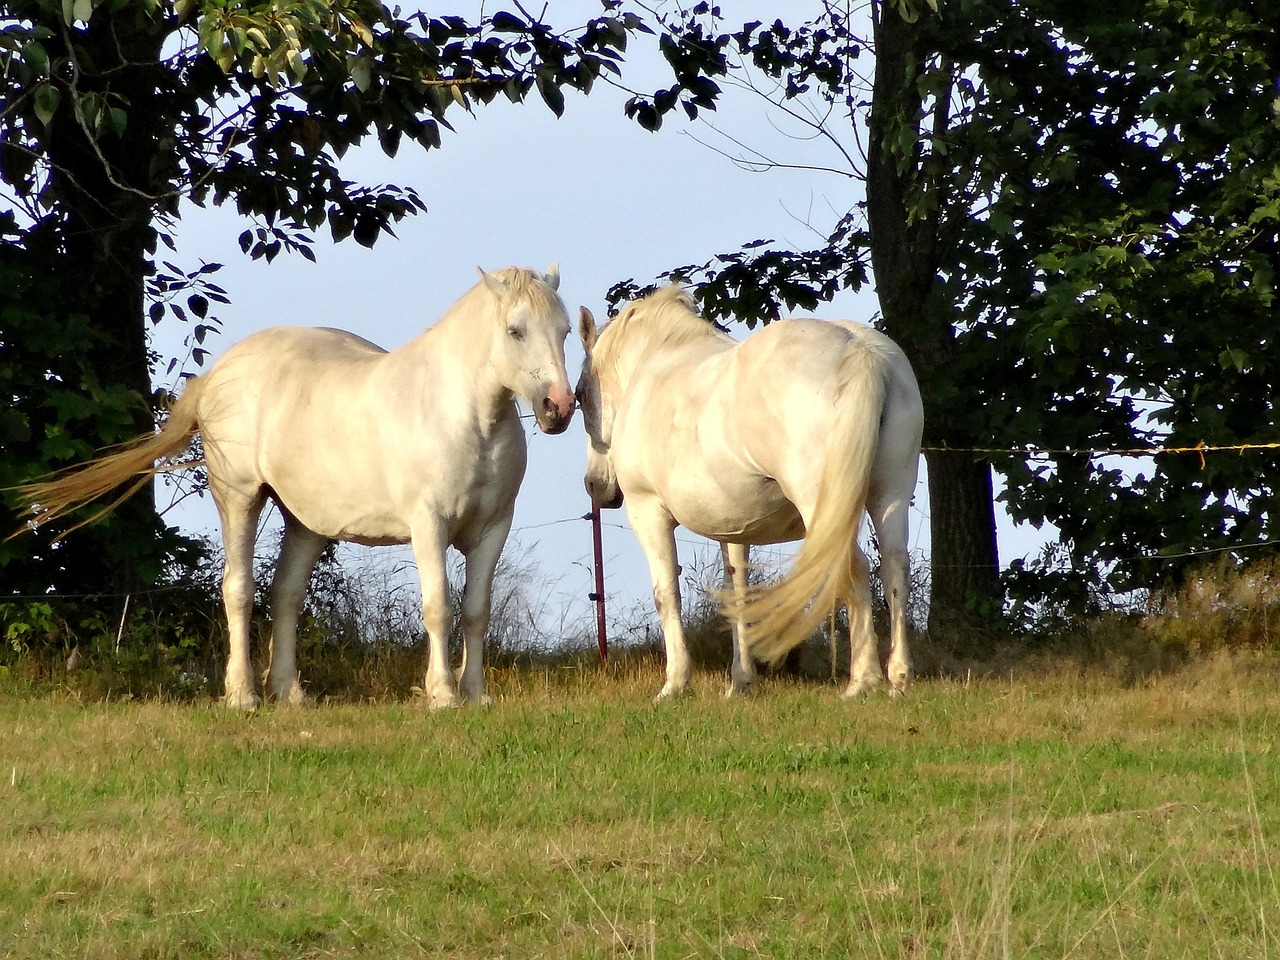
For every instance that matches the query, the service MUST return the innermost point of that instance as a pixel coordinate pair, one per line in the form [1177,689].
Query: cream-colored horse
[422,445]
[790,434]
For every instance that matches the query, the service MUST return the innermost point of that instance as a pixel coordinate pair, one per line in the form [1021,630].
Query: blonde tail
[125,471]
[829,565]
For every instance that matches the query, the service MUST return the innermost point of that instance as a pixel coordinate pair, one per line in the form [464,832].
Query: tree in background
[115,112]
[1071,217]
[1071,220]
[1120,273]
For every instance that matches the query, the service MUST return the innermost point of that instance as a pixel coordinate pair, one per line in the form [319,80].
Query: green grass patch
[1057,816]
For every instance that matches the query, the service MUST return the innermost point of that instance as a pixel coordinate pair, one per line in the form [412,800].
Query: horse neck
[625,365]
[642,353]
[454,353]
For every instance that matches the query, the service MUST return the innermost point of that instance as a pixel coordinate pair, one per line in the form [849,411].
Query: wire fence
[1199,449]
[1032,453]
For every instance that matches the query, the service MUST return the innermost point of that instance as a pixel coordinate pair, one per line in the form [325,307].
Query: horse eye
[515,333]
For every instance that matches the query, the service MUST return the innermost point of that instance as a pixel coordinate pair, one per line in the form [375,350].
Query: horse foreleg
[239,518]
[477,599]
[865,673]
[655,529]
[299,550]
[742,670]
[429,546]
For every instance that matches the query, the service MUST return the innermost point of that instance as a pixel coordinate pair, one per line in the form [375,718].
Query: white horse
[790,434]
[422,445]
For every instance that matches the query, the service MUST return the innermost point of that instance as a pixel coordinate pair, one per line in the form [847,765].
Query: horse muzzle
[555,411]
[606,495]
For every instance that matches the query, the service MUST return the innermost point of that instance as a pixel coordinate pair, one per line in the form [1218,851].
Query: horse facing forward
[790,434]
[421,445]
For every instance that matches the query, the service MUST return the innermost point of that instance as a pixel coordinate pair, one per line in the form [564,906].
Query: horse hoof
[290,693]
[241,700]
[860,688]
[295,698]
[737,691]
[669,692]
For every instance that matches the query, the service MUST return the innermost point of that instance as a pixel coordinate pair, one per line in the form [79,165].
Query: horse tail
[124,471]
[829,567]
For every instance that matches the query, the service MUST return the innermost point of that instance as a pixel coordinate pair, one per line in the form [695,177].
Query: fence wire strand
[1032,453]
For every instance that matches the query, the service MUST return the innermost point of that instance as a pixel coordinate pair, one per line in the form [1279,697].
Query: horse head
[597,415]
[529,342]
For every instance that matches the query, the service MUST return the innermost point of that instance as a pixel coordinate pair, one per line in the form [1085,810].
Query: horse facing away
[421,445]
[791,433]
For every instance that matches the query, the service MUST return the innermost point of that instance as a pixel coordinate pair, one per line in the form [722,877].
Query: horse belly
[339,505]
[379,506]
[353,523]
[754,512]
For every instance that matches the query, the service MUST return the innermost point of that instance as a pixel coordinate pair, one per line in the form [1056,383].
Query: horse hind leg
[238,514]
[889,520]
[865,673]
[300,548]
[742,671]
[894,574]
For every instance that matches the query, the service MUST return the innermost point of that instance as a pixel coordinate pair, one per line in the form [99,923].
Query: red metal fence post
[598,596]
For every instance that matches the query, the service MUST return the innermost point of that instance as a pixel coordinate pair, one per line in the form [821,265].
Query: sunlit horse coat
[422,445]
[792,433]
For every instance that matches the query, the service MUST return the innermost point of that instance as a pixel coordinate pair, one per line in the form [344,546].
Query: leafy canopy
[114,112]
[1096,194]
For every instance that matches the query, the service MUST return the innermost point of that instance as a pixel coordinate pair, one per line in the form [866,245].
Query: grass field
[1060,816]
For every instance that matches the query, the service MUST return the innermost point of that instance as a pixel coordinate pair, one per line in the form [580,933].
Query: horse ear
[586,328]
[552,276]
[496,286]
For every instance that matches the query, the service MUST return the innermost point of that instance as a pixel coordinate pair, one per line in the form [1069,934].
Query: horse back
[733,439]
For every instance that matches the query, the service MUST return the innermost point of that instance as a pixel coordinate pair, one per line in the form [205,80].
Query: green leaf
[47,99]
[91,110]
[37,58]
[503,22]
[552,95]
[362,74]
[361,31]
[1234,358]
[297,64]
[341,223]
[117,120]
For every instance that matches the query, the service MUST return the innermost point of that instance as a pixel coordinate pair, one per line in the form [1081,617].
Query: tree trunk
[965,570]
[903,220]
[106,180]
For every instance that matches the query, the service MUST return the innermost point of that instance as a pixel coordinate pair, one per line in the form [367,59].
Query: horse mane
[665,318]
[522,284]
